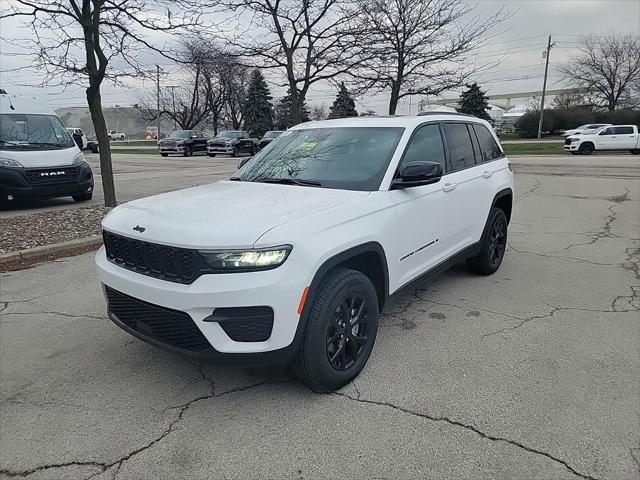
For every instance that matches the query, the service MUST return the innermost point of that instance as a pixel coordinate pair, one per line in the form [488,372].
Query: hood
[225,214]
[42,158]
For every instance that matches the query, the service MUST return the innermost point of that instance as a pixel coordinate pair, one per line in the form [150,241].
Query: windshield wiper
[290,181]
[236,179]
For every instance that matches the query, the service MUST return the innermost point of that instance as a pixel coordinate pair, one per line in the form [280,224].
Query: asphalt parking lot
[139,176]
[532,373]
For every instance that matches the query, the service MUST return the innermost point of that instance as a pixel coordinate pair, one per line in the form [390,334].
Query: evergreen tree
[474,102]
[343,105]
[258,116]
[283,114]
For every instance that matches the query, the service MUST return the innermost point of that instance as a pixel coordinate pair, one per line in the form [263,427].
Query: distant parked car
[183,142]
[232,142]
[587,129]
[267,138]
[79,137]
[115,135]
[617,137]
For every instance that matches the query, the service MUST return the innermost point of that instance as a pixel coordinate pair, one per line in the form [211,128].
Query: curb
[49,249]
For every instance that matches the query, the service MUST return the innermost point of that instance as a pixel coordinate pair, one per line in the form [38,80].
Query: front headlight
[78,159]
[9,163]
[242,260]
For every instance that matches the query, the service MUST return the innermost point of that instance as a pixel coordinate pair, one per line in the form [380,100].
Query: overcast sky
[521,40]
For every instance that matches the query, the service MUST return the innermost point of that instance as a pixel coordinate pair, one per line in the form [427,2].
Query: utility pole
[544,85]
[173,100]
[158,96]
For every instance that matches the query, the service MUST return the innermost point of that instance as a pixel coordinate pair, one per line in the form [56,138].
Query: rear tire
[492,246]
[635,152]
[586,149]
[340,332]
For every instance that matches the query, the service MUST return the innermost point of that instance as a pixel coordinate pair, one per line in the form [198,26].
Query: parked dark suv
[268,137]
[183,142]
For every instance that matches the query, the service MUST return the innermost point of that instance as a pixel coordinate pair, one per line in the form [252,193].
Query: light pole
[544,85]
[173,100]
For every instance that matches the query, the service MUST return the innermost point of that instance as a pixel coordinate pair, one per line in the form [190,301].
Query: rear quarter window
[488,146]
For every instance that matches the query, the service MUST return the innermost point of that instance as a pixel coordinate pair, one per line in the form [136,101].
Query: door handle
[487,174]
[447,187]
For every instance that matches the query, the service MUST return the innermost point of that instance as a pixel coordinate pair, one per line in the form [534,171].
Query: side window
[607,131]
[425,146]
[474,143]
[460,147]
[488,146]
[624,130]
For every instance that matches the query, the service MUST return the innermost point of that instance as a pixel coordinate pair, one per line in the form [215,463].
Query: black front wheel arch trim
[326,267]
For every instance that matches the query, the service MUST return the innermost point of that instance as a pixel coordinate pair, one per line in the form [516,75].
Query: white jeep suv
[292,258]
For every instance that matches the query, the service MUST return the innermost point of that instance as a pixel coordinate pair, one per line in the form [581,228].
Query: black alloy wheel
[340,331]
[498,241]
[348,331]
[586,149]
[187,151]
[493,244]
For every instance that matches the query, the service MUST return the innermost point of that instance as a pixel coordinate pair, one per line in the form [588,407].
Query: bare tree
[308,41]
[572,101]
[234,78]
[78,41]
[417,47]
[608,67]
[188,105]
[319,112]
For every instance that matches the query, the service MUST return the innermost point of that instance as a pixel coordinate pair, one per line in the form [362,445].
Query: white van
[38,156]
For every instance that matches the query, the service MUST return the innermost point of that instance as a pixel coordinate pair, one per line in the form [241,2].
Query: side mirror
[243,161]
[414,174]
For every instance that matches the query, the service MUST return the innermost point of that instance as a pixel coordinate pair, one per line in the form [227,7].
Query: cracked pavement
[532,373]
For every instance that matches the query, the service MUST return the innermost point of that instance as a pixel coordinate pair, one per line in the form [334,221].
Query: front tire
[340,332]
[164,154]
[85,197]
[586,149]
[492,246]
[187,151]
[236,152]
[635,152]
[211,154]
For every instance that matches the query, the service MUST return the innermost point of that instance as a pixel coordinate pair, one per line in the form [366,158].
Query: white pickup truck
[615,137]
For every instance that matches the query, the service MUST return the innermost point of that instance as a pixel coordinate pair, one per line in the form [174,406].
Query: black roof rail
[424,114]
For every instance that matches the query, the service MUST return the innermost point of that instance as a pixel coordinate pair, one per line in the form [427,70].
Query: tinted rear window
[460,147]
[624,130]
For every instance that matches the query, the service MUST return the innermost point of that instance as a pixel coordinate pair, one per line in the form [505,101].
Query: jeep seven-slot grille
[173,264]
[171,327]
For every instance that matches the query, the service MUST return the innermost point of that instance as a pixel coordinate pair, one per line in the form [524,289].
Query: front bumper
[571,148]
[172,150]
[217,149]
[20,183]
[279,289]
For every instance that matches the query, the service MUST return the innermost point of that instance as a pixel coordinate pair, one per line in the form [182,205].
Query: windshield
[30,132]
[271,134]
[229,134]
[349,158]
[180,134]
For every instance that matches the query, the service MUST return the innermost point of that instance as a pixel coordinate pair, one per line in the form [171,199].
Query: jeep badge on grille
[138,228]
